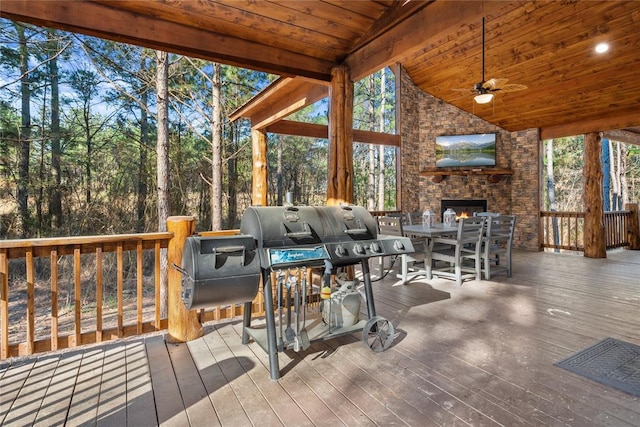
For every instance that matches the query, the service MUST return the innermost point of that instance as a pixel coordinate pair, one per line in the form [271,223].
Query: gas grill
[290,242]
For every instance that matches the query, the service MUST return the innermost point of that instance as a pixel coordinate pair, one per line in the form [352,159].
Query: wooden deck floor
[481,354]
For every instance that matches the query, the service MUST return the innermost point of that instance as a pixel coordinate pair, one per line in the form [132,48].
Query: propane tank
[343,306]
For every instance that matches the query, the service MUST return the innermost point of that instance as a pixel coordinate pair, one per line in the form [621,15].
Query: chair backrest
[391,226]
[500,228]
[486,214]
[471,230]
[415,218]
[403,216]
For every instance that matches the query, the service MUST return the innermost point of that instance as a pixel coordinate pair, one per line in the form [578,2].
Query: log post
[633,232]
[340,167]
[183,325]
[595,245]
[260,172]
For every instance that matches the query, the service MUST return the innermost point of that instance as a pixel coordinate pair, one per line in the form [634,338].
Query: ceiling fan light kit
[483,98]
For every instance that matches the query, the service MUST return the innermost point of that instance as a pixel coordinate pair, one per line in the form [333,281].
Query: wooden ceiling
[547,46]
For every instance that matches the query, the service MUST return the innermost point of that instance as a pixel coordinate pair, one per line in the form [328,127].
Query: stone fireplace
[464,207]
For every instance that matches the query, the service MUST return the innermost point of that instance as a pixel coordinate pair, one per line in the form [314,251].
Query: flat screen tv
[466,151]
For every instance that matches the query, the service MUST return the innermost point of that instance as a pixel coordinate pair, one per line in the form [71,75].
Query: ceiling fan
[485,89]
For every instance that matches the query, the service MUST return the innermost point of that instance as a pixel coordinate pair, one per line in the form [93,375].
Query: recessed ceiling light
[602,47]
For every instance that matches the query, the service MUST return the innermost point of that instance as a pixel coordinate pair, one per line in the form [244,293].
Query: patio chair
[392,226]
[498,242]
[461,253]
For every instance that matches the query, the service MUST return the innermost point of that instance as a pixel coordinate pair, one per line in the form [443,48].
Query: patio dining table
[428,233]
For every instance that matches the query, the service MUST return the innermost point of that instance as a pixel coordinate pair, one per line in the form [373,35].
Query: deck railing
[65,292]
[565,230]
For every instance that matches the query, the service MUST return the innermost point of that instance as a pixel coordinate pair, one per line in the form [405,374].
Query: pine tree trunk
[25,134]
[216,151]
[55,194]
[142,188]
[162,148]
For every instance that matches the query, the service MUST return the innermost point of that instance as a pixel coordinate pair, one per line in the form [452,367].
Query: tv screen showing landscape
[471,151]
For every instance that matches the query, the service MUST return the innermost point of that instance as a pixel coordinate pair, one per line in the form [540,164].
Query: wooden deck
[481,354]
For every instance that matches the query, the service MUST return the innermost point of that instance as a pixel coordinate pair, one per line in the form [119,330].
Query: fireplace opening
[463,208]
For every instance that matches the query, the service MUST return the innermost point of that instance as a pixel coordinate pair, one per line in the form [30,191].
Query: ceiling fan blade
[466,91]
[493,84]
[511,88]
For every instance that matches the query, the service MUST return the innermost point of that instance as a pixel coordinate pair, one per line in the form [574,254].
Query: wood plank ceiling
[547,46]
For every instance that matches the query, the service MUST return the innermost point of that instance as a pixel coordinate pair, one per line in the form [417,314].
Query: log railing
[59,293]
[565,230]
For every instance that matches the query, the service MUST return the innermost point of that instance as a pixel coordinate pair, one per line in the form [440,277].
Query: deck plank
[83,409]
[194,394]
[254,404]
[112,405]
[13,379]
[281,402]
[26,405]
[55,404]
[169,407]
[141,409]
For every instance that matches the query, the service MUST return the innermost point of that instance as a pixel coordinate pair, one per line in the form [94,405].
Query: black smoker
[282,243]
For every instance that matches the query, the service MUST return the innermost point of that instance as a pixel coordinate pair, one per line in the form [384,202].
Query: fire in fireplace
[463,208]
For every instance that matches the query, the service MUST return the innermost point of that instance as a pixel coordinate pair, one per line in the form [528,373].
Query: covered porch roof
[546,46]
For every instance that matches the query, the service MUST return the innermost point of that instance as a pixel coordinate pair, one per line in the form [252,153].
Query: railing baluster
[120,288]
[54,298]
[156,271]
[4,303]
[77,286]
[99,293]
[139,255]
[31,301]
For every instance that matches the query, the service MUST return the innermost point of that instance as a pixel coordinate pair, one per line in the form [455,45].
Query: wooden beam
[285,98]
[260,184]
[621,121]
[622,135]
[313,130]
[594,231]
[122,26]
[410,36]
[340,164]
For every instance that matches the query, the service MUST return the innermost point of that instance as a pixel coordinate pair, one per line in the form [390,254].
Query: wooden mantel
[493,175]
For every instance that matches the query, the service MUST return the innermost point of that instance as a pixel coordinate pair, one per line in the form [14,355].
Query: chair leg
[404,269]
[487,264]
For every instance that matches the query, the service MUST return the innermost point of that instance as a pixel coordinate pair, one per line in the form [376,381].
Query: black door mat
[611,362]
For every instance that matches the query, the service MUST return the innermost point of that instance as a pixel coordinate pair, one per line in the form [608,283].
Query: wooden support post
[594,230]
[183,325]
[260,172]
[633,232]
[340,167]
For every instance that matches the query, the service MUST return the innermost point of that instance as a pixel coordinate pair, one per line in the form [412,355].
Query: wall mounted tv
[470,151]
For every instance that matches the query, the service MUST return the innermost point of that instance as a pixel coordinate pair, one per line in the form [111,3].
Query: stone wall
[423,117]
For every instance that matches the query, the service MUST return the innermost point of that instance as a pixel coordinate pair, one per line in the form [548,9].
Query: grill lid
[280,226]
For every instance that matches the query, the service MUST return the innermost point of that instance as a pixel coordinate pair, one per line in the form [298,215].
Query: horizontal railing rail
[58,293]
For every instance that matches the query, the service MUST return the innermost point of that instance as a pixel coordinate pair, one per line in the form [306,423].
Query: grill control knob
[341,251]
[359,249]
[398,245]
[375,248]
